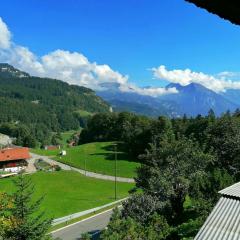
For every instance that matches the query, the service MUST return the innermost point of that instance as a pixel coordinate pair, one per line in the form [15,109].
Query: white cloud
[184,77]
[72,67]
[150,91]
[5,35]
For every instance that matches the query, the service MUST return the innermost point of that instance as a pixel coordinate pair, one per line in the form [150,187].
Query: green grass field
[97,157]
[69,192]
[83,113]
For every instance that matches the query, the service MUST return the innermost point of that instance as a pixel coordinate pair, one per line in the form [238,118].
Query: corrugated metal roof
[223,223]
[233,191]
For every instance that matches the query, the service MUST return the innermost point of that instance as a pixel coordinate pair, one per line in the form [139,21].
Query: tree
[141,207]
[168,170]
[6,221]
[128,228]
[27,222]
[206,186]
[224,138]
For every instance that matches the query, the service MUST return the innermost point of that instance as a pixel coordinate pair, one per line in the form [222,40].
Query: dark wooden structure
[227,9]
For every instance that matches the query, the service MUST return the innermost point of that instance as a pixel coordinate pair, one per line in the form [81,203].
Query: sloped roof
[11,154]
[232,191]
[224,221]
[227,9]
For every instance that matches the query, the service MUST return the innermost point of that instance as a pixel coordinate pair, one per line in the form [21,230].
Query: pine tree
[30,223]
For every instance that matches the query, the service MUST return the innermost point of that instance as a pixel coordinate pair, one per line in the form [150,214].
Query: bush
[57,168]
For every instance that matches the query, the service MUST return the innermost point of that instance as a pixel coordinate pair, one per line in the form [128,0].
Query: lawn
[68,192]
[83,113]
[67,135]
[96,157]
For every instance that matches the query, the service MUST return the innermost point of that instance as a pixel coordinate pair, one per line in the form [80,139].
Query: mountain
[191,100]
[50,103]
[7,71]
[232,95]
[195,99]
[136,103]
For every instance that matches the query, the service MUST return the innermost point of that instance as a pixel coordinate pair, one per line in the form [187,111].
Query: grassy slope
[66,136]
[69,192]
[83,113]
[99,158]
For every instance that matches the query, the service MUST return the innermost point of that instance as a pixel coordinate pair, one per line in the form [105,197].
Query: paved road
[31,168]
[92,225]
[89,174]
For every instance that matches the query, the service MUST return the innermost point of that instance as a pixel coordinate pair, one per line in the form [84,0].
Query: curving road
[86,173]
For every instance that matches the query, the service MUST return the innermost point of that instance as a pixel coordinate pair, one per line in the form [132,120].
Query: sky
[140,44]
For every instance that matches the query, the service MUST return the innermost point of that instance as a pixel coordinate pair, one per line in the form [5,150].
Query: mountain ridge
[53,103]
[192,99]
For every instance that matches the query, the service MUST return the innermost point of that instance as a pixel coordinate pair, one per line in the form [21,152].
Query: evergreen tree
[29,222]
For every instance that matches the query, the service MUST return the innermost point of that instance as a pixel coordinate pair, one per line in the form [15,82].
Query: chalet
[52,147]
[14,159]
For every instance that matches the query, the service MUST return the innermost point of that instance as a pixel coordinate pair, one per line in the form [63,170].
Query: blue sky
[131,36]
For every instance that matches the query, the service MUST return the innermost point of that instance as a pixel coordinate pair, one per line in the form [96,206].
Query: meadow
[68,192]
[96,157]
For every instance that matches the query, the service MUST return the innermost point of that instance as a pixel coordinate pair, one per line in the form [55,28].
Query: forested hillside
[43,104]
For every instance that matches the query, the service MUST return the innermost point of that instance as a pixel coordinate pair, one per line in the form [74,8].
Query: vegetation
[97,157]
[19,214]
[80,192]
[42,106]
[184,163]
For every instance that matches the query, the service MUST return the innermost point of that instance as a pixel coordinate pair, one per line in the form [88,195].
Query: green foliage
[168,170]
[133,130]
[206,186]
[45,105]
[80,192]
[129,229]
[85,236]
[27,221]
[141,207]
[224,138]
[97,157]
[182,159]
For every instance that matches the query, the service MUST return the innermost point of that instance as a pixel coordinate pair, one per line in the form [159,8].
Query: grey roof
[232,191]
[223,223]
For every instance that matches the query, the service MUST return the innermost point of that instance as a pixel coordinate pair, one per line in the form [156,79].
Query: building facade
[14,159]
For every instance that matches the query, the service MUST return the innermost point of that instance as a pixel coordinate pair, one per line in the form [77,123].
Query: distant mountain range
[22,95]
[191,100]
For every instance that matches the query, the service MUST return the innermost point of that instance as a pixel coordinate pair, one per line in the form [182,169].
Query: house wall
[13,169]
[13,166]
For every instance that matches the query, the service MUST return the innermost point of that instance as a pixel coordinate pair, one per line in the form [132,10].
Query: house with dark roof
[14,159]
[224,221]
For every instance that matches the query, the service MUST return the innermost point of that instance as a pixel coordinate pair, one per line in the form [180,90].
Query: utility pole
[85,165]
[115,149]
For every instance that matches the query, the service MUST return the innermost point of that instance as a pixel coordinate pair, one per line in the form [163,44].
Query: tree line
[184,163]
